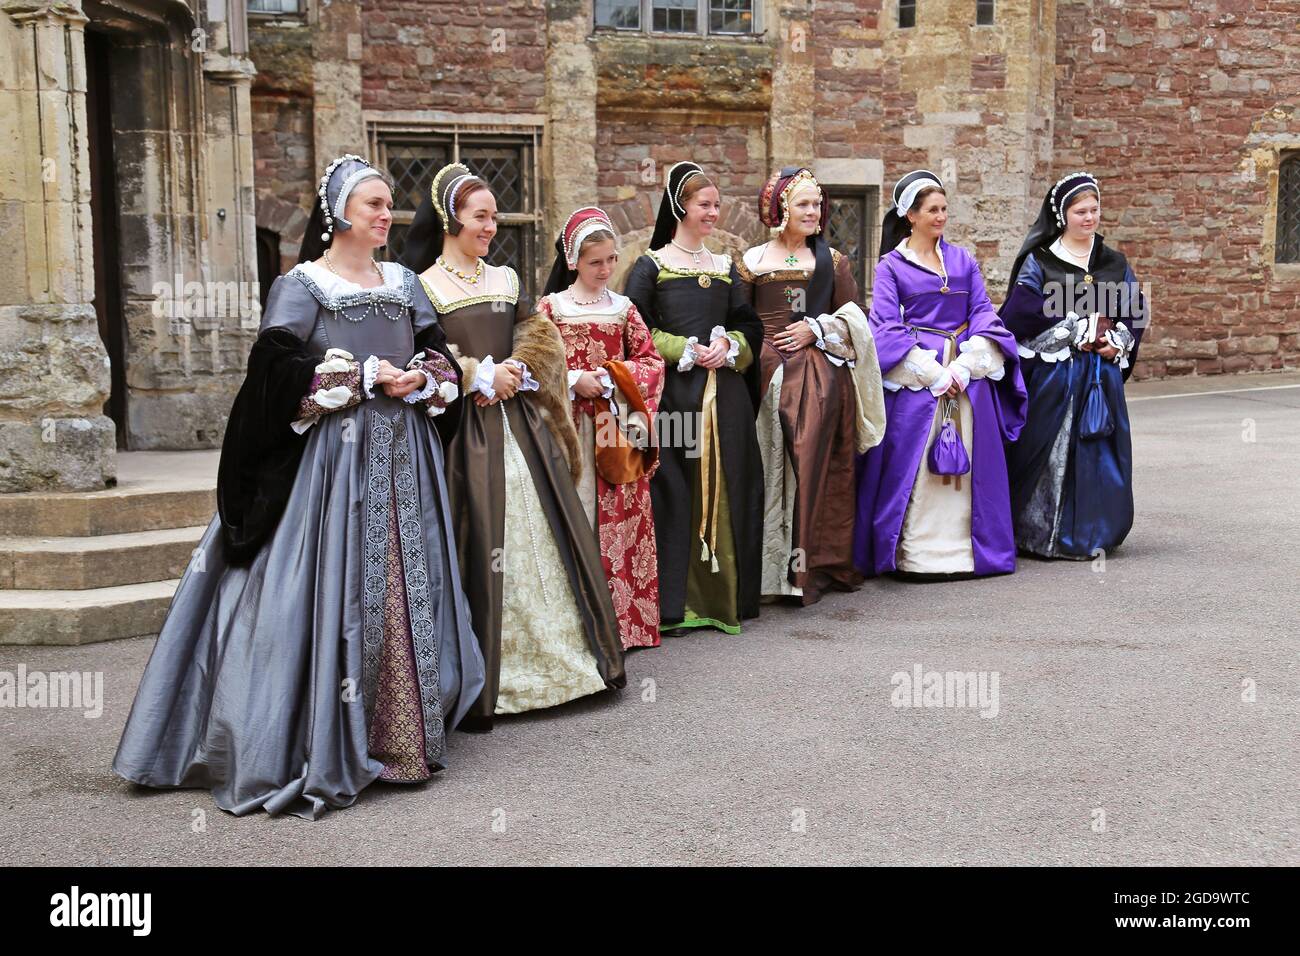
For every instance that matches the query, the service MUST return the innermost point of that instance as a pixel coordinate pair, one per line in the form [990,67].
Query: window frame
[299,14]
[702,16]
[864,265]
[381,133]
[992,9]
[913,6]
[1288,161]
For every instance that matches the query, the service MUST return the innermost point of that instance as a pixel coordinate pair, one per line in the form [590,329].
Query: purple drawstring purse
[948,454]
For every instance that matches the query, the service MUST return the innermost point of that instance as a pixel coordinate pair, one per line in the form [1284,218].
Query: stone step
[155,491]
[96,561]
[84,617]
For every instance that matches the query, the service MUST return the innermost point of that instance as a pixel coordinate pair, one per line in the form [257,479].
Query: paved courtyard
[1146,713]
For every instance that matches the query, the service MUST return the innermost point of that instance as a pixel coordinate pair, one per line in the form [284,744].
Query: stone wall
[972,103]
[663,100]
[53,367]
[283,99]
[1181,111]
[486,56]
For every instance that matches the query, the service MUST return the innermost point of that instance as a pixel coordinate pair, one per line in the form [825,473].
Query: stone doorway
[104,225]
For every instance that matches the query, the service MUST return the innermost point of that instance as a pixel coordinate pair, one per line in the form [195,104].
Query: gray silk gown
[343,652]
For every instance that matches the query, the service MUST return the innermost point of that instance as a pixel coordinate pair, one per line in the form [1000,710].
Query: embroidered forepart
[418,589]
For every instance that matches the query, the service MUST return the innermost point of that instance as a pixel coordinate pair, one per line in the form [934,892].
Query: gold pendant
[705,282]
[943,289]
[1087,277]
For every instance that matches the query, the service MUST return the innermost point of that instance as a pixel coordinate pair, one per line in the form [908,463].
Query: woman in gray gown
[321,639]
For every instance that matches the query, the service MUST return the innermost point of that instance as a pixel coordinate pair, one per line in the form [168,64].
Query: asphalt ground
[1146,714]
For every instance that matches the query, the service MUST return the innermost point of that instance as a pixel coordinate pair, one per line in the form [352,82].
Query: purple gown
[904,297]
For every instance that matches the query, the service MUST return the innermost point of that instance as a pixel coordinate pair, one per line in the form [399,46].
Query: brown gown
[503,327]
[817,410]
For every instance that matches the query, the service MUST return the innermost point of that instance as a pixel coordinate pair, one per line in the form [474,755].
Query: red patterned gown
[593,335]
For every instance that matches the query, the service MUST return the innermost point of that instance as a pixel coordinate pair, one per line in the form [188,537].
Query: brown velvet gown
[817,412]
[477,472]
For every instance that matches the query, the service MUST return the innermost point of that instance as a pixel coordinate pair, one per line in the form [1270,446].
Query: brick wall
[485,56]
[726,153]
[284,161]
[1179,109]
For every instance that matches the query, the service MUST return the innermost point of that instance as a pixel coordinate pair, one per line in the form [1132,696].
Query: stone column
[337,47]
[53,365]
[569,143]
[794,92]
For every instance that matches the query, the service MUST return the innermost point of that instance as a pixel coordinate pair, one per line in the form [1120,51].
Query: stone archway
[184,229]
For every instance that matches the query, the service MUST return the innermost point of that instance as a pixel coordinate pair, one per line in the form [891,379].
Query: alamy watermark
[203,306]
[1112,299]
[952,689]
[77,690]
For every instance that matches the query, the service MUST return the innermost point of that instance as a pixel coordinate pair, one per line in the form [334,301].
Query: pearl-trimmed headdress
[774,198]
[579,226]
[674,191]
[350,169]
[1066,187]
[446,183]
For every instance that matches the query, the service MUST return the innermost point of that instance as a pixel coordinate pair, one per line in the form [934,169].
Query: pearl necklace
[604,293]
[1085,255]
[377,307]
[329,264]
[472,280]
[693,253]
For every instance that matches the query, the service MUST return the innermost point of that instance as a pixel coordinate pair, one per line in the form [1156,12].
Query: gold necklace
[329,264]
[471,280]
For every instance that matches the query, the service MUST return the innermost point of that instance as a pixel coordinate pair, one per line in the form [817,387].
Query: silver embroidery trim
[405,296]
[375,553]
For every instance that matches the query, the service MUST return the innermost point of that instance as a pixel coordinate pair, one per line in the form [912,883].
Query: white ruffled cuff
[1122,340]
[687,361]
[529,383]
[418,396]
[919,369]
[600,373]
[943,382]
[823,338]
[369,369]
[733,351]
[487,370]
[981,359]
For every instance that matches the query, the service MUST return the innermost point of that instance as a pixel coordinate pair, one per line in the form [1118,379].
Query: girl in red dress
[601,328]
